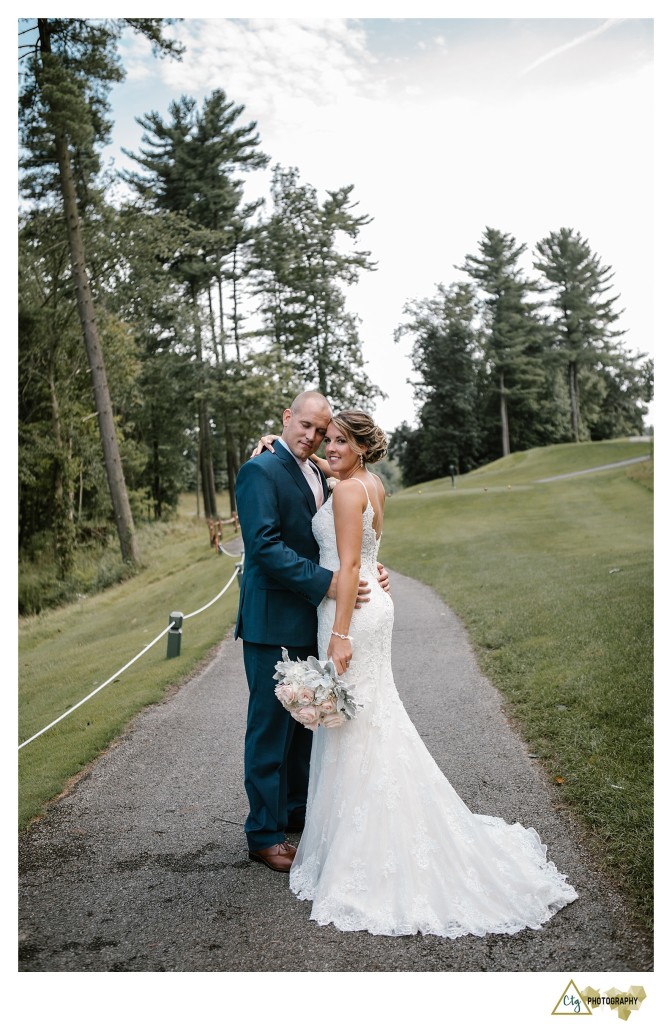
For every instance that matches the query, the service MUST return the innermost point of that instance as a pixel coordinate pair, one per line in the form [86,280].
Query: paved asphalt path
[143,866]
[594,469]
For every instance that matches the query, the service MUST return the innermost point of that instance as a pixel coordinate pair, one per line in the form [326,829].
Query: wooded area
[162,333]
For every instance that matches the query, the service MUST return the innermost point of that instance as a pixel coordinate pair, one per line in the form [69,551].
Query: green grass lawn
[65,653]
[554,583]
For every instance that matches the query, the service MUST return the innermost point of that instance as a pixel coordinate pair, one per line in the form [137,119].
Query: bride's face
[338,453]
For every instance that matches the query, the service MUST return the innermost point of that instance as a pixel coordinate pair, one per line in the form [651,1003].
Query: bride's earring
[361,461]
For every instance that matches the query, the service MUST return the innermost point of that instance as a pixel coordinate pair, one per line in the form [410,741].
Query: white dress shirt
[311,473]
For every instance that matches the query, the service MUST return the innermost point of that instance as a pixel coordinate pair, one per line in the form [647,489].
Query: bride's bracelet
[341,636]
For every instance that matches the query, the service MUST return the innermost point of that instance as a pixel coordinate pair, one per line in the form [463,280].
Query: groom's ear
[286,417]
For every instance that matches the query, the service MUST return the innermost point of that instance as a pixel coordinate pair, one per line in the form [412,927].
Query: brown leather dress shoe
[278,857]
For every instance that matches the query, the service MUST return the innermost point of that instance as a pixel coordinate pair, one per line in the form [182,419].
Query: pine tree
[582,314]
[190,164]
[514,371]
[67,76]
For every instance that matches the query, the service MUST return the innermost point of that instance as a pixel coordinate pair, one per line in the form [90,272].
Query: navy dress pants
[277,750]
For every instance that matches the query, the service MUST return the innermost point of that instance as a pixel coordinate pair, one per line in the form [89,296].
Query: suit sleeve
[258,508]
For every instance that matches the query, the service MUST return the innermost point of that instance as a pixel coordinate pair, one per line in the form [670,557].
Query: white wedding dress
[388,846]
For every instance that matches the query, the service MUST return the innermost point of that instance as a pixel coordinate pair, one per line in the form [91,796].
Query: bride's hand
[265,442]
[340,652]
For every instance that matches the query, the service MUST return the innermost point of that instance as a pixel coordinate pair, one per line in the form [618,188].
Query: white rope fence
[231,554]
[129,663]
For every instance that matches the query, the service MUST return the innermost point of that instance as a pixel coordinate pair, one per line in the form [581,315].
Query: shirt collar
[301,463]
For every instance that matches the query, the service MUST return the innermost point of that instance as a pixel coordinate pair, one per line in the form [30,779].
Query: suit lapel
[289,463]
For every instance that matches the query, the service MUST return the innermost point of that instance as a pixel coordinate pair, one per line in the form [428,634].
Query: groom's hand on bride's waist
[383,578]
[364,587]
[362,590]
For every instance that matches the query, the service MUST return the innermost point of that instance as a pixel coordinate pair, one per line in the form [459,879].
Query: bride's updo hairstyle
[361,432]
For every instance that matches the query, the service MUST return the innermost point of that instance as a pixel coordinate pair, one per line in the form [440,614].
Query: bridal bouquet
[313,693]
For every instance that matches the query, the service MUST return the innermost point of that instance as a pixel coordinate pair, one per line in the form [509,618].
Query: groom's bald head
[305,423]
[310,399]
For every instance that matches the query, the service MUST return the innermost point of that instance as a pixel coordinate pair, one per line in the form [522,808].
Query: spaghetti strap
[369,503]
[365,488]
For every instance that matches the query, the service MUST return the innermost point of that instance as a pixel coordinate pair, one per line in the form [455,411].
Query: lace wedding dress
[388,846]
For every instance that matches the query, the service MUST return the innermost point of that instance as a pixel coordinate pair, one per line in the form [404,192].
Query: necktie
[313,478]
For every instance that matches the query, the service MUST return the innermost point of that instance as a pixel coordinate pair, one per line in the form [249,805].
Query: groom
[277,495]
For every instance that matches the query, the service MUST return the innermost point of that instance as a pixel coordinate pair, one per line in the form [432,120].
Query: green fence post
[175,634]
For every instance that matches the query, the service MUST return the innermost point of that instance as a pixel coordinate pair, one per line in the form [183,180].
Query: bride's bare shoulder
[349,492]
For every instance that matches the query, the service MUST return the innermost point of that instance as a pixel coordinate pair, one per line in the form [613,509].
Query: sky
[445,126]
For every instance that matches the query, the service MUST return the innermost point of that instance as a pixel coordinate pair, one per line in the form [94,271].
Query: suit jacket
[282,584]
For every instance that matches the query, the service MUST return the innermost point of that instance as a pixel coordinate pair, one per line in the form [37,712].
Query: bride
[388,845]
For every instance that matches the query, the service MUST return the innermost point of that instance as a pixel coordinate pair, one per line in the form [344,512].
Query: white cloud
[138,61]
[270,60]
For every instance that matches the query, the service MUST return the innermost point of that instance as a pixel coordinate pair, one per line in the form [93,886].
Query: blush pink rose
[327,706]
[305,695]
[308,716]
[285,694]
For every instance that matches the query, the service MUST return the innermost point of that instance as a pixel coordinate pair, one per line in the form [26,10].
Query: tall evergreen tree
[514,369]
[66,81]
[190,165]
[582,313]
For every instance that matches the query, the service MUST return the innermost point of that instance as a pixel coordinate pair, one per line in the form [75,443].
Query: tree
[514,370]
[406,448]
[619,395]
[445,356]
[149,298]
[302,265]
[48,368]
[190,163]
[64,105]
[582,313]
[63,492]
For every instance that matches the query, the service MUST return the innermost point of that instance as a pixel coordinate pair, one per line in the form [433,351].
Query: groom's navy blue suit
[281,587]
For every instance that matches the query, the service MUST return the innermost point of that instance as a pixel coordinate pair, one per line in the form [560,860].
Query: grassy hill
[537,464]
[554,582]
